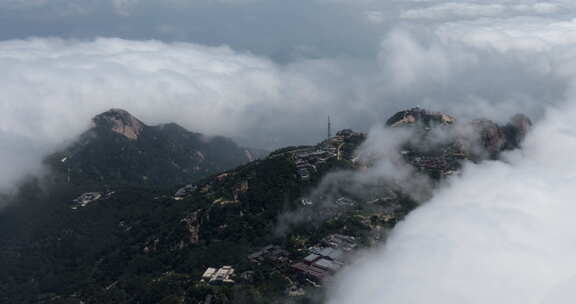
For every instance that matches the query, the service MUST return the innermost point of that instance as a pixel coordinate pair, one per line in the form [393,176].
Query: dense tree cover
[159,155]
[138,244]
[98,252]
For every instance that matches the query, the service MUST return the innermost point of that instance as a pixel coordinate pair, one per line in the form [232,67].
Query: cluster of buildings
[185,191]
[341,201]
[272,253]
[307,160]
[322,260]
[85,199]
[329,207]
[218,276]
[388,209]
[326,258]
[345,202]
[432,163]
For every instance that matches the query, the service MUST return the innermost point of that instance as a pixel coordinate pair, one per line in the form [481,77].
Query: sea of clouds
[388,55]
[502,231]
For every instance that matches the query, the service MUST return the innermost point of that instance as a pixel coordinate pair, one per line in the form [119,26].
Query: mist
[53,86]
[501,231]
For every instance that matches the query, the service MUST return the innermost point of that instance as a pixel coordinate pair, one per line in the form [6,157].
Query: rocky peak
[516,130]
[476,140]
[119,121]
[419,117]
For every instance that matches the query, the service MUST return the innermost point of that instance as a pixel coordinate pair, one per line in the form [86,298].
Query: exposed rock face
[419,117]
[119,121]
[490,137]
[192,228]
[516,130]
[439,151]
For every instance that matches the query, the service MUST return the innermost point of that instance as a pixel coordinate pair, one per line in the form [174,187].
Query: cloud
[468,10]
[59,83]
[455,9]
[500,233]
[521,33]
[53,86]
[387,173]
[265,27]
[20,156]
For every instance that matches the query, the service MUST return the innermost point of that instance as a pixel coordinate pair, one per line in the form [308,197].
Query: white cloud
[524,34]
[375,17]
[59,83]
[52,87]
[500,233]
[466,10]
[455,10]
[409,61]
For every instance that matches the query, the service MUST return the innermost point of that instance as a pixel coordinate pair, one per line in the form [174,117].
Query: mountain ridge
[134,243]
[119,148]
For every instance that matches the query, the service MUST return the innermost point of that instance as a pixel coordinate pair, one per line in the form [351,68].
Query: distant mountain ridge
[121,149]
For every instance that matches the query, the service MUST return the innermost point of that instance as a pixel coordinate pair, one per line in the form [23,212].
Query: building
[345,202]
[307,159]
[304,173]
[328,265]
[85,199]
[339,241]
[185,191]
[311,272]
[269,253]
[223,275]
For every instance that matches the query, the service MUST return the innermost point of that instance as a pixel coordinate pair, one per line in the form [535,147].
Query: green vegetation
[141,245]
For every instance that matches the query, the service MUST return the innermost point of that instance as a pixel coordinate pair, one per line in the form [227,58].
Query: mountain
[121,149]
[439,143]
[269,231]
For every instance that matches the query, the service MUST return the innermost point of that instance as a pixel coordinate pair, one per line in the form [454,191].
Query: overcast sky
[351,59]
[269,72]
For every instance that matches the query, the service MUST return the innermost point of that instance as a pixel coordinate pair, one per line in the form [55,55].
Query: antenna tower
[329,127]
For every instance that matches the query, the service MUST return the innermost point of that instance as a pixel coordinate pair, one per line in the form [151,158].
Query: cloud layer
[52,87]
[379,63]
[501,232]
